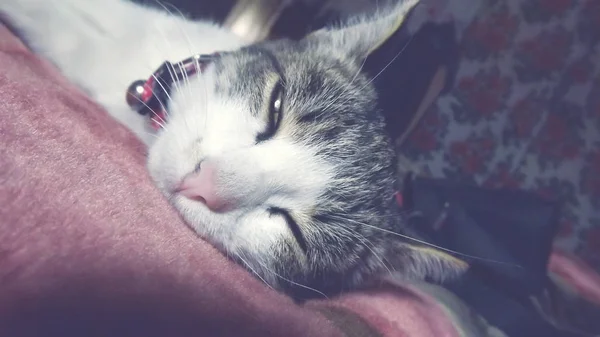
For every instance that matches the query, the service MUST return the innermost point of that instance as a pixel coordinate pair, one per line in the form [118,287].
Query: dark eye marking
[275,113]
[292,224]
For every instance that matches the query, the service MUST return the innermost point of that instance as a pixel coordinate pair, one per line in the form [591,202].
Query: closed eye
[292,224]
[275,113]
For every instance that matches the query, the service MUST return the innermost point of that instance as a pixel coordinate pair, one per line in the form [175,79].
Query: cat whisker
[374,77]
[176,82]
[187,83]
[252,270]
[430,244]
[169,47]
[162,105]
[359,70]
[292,282]
[334,101]
[192,52]
[402,214]
[167,114]
[389,63]
[161,122]
[366,243]
[151,134]
[155,114]
[205,91]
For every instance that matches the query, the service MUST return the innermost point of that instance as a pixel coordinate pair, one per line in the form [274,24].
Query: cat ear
[362,35]
[406,89]
[412,261]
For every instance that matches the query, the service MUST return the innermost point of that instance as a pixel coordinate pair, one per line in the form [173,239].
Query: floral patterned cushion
[525,110]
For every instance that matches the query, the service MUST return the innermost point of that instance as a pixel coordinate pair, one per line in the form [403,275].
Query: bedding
[88,246]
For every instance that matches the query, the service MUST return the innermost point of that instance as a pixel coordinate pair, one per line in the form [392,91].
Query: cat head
[278,156]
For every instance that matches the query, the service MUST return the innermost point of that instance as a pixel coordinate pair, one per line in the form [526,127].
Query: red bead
[136,94]
[399,199]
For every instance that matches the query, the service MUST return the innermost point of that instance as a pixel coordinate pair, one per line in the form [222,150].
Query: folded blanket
[88,246]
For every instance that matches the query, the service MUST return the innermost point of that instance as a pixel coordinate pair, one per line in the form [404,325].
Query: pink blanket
[89,247]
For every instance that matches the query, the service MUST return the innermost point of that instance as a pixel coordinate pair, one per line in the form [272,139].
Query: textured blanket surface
[88,247]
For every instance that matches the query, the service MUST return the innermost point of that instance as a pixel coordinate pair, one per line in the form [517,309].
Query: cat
[275,152]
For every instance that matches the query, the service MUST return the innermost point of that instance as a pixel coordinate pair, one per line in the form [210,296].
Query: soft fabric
[574,302]
[524,112]
[88,246]
[413,310]
[512,244]
[530,289]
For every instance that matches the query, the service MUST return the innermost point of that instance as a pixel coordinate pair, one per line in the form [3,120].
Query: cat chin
[252,232]
[213,226]
[250,243]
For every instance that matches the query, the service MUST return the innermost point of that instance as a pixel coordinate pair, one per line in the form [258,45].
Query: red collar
[150,97]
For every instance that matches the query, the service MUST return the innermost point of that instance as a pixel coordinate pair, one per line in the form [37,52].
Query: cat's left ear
[362,35]
[426,64]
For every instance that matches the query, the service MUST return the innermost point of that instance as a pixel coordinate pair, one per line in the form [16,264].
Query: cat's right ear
[362,35]
[416,260]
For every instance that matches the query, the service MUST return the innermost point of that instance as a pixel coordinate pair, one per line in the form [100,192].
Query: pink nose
[200,186]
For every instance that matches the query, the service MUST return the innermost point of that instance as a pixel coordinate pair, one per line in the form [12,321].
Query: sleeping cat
[273,152]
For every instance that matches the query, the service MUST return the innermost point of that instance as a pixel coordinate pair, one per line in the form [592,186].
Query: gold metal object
[254,19]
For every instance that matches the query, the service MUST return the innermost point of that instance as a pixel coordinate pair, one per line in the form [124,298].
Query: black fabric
[508,236]
[403,68]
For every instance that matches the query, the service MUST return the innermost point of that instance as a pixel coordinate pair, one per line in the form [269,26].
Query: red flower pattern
[580,71]
[503,178]
[521,59]
[556,140]
[590,183]
[526,114]
[593,102]
[423,139]
[485,92]
[546,52]
[471,154]
[494,32]
[565,229]
[593,242]
[591,12]
[556,6]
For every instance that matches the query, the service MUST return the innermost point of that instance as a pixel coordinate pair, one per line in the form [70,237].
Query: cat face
[278,156]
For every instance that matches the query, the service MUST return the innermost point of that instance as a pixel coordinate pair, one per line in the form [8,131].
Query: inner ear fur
[420,262]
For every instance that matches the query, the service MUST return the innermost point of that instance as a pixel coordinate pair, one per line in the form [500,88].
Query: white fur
[276,173]
[105,45]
